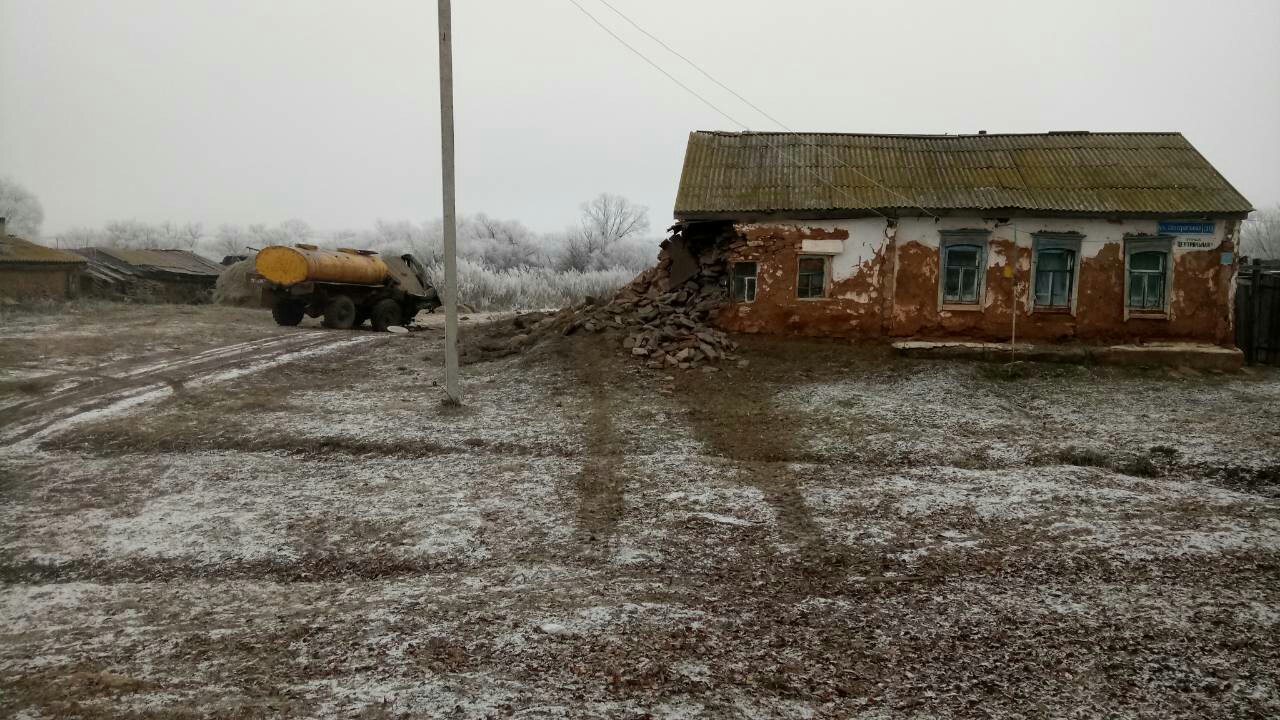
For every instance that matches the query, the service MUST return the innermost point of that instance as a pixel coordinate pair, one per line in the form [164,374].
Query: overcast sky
[326,110]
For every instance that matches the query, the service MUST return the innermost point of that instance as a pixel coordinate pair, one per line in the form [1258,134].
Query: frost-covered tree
[500,244]
[1260,234]
[605,222]
[21,209]
[400,236]
[133,234]
[190,234]
[293,231]
[81,237]
[610,218]
[230,240]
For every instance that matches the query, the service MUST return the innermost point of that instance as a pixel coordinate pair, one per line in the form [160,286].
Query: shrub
[523,288]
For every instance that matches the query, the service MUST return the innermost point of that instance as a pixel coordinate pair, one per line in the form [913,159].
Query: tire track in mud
[735,415]
[601,491]
[121,385]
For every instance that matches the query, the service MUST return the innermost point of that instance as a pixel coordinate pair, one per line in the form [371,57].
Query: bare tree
[610,218]
[346,238]
[230,240]
[1260,234]
[605,221]
[191,234]
[169,234]
[21,209]
[294,231]
[132,234]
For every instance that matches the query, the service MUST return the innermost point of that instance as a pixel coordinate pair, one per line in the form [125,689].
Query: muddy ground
[206,515]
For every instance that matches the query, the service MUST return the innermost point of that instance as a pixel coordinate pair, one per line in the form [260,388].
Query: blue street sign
[1186,227]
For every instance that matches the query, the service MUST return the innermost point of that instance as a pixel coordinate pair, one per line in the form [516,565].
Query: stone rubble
[666,327]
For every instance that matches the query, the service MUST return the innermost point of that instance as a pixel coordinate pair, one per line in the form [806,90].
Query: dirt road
[77,397]
[827,532]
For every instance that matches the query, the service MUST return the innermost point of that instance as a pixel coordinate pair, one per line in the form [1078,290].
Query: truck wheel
[340,313]
[287,312]
[385,314]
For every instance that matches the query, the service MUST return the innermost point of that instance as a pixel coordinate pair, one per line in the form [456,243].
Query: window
[744,282]
[811,281]
[1146,280]
[1053,270]
[1147,262]
[961,269]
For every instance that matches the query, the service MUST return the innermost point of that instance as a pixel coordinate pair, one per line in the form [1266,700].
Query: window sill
[817,299]
[1052,311]
[947,307]
[1146,315]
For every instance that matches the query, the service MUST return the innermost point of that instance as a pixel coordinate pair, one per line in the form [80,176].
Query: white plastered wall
[867,236]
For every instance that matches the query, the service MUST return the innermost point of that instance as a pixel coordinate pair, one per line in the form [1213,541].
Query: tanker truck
[345,286]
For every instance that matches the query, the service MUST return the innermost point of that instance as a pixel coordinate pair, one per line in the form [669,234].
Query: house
[29,271]
[177,276]
[1092,237]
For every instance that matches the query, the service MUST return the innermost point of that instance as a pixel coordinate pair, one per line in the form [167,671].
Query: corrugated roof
[1104,173]
[16,250]
[179,262]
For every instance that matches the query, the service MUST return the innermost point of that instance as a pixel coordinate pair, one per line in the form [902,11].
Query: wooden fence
[1258,313]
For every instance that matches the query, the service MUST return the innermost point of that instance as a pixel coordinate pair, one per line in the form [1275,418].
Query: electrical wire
[726,115]
[912,201]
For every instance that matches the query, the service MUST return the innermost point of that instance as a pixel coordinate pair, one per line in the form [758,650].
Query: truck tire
[385,313]
[340,313]
[287,312]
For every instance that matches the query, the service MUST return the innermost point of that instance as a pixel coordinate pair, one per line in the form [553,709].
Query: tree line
[611,232]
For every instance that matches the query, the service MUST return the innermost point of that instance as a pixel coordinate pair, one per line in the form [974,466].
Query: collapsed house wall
[882,279]
[855,276]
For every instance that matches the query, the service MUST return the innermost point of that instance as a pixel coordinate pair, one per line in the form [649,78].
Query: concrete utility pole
[451,388]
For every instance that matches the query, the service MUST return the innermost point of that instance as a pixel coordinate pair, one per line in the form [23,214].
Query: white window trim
[946,238]
[755,281]
[826,276]
[1148,243]
[1055,241]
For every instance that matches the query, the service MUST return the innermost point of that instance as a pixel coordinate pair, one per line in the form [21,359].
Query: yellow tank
[285,265]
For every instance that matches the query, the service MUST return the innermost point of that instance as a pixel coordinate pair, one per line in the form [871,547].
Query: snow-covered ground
[820,534]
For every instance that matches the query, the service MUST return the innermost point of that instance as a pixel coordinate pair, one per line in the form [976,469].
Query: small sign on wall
[1194,244]
[1187,227]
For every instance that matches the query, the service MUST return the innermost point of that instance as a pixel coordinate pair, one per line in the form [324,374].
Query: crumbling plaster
[883,280]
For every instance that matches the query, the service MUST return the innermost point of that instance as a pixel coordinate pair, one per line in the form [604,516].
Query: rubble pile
[665,324]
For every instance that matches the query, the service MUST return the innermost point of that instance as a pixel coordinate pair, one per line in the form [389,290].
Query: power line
[655,65]
[714,107]
[694,65]
[915,203]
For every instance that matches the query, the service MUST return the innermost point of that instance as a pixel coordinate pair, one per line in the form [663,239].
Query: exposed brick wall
[851,307]
[894,292]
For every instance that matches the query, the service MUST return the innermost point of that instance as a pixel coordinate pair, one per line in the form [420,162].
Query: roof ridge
[932,136]
[1122,172]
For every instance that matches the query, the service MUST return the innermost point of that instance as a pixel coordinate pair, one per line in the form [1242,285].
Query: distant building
[1098,237]
[178,276]
[30,272]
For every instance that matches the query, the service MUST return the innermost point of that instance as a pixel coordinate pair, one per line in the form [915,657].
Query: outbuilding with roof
[29,271]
